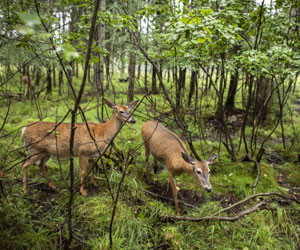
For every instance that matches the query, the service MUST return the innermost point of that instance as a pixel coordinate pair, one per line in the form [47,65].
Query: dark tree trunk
[234,79]
[146,77]
[107,70]
[261,109]
[174,74]
[139,71]
[154,84]
[49,81]
[54,76]
[37,77]
[192,85]
[179,87]
[60,80]
[131,72]
[182,77]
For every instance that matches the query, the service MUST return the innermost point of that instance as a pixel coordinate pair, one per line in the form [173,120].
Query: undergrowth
[38,220]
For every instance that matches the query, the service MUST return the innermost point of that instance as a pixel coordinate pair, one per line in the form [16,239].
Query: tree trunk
[37,77]
[99,66]
[107,70]
[179,87]
[146,76]
[234,79]
[54,76]
[154,85]
[192,85]
[131,71]
[60,80]
[49,82]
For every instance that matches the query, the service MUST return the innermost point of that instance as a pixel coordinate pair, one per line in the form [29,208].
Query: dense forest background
[221,74]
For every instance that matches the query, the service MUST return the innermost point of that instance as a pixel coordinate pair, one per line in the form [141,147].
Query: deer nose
[208,189]
[132,121]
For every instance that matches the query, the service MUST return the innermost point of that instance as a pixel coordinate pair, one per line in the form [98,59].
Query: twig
[5,118]
[249,158]
[166,198]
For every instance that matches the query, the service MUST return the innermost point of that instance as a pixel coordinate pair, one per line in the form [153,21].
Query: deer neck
[188,168]
[112,126]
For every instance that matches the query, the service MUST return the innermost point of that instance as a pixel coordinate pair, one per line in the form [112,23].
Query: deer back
[45,137]
[164,145]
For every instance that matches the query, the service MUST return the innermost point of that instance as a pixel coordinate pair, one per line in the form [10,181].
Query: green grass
[38,220]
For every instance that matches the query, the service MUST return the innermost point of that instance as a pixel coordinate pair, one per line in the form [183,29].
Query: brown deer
[45,139]
[28,85]
[167,148]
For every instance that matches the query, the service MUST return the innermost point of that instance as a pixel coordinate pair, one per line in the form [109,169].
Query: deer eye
[121,112]
[199,171]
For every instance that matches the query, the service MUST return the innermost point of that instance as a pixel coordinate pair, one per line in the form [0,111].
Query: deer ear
[132,104]
[211,159]
[109,103]
[187,158]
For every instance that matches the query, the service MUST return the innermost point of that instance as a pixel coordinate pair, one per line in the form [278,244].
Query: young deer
[167,148]
[45,139]
[28,84]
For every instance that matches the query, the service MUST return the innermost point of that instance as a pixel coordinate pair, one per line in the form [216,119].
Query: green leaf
[25,30]
[29,19]
[201,40]
[207,30]
[206,11]
[69,53]
[44,36]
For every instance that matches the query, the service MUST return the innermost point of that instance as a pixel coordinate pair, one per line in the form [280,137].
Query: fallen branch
[255,196]
[254,208]
[241,214]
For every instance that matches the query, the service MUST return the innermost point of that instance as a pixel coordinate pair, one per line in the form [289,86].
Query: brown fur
[167,148]
[28,84]
[43,140]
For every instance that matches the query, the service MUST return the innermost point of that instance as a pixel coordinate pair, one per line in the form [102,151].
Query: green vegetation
[38,220]
[222,75]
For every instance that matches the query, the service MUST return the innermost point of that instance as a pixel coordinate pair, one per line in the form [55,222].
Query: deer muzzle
[131,120]
[207,185]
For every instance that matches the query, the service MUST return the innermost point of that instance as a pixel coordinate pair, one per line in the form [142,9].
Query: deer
[45,139]
[28,84]
[167,148]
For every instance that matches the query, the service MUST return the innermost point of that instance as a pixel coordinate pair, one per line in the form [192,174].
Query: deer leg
[83,164]
[25,166]
[147,153]
[92,163]
[168,187]
[45,172]
[175,192]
